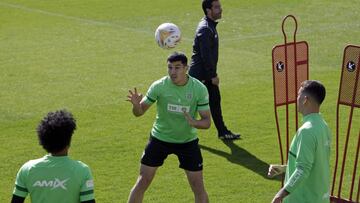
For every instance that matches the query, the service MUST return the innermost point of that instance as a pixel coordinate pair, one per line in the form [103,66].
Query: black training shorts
[189,154]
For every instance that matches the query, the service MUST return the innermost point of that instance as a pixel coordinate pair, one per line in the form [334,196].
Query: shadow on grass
[244,158]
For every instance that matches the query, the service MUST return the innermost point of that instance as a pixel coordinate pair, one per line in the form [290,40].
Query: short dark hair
[55,130]
[207,4]
[314,89]
[177,56]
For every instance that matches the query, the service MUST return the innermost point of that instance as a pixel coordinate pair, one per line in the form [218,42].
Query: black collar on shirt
[211,22]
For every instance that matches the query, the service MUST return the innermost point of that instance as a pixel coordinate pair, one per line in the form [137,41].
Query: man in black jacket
[204,61]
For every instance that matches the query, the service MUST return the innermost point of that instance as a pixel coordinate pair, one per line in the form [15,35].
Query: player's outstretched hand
[134,97]
[215,81]
[189,119]
[276,169]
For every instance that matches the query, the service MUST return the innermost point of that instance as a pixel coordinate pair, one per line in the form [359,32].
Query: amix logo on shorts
[177,108]
[53,184]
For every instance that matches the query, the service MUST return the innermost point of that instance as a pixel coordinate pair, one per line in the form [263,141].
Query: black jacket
[205,51]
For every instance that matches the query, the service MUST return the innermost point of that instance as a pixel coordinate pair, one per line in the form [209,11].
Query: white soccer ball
[167,35]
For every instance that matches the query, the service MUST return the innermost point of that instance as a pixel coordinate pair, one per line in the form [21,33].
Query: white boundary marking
[82,20]
[239,38]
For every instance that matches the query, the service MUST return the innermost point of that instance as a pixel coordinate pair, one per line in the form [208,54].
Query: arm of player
[139,107]
[203,123]
[17,199]
[280,196]
[215,81]
[206,39]
[275,170]
[90,201]
[304,159]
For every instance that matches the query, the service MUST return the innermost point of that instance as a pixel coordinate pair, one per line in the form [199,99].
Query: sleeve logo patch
[90,183]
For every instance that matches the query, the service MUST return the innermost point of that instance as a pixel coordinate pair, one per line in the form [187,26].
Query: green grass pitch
[85,55]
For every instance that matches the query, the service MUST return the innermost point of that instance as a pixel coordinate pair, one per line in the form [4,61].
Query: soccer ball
[167,35]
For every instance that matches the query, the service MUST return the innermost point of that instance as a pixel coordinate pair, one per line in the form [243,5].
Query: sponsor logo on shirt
[53,184]
[189,96]
[90,183]
[177,108]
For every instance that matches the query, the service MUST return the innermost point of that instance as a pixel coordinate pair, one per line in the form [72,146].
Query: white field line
[341,27]
[78,19]
[329,27]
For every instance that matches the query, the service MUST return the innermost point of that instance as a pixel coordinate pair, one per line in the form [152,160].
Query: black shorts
[189,154]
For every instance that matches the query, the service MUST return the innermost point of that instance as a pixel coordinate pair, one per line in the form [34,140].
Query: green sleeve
[87,187]
[304,160]
[151,94]
[203,101]
[20,188]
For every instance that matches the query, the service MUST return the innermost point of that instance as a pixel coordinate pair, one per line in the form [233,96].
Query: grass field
[85,55]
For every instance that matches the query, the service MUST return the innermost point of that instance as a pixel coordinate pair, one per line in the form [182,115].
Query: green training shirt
[55,179]
[170,124]
[307,176]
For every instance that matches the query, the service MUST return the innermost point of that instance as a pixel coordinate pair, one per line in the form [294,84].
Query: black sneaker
[229,136]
